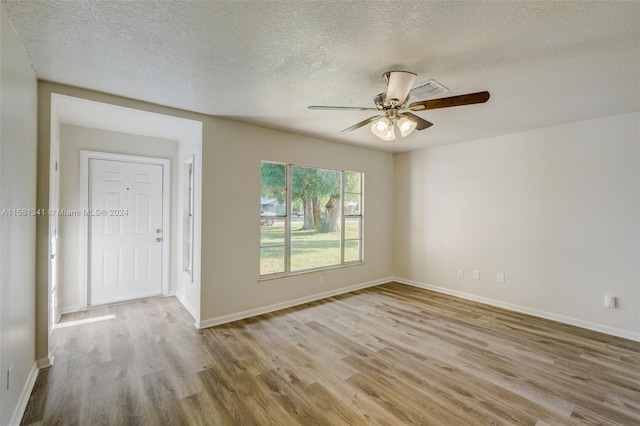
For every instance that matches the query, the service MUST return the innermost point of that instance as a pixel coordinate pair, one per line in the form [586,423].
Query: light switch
[500,277]
[460,273]
[476,274]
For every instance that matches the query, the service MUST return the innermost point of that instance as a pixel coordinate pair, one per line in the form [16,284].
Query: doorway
[70,290]
[127,211]
[125,230]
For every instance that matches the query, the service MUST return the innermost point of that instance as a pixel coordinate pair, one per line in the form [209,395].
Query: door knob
[158,231]
[158,240]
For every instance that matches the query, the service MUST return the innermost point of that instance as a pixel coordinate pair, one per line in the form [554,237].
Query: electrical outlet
[460,273]
[321,279]
[609,301]
[500,277]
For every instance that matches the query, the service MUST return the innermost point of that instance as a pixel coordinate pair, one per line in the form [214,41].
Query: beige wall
[556,209]
[231,188]
[231,167]
[73,139]
[17,247]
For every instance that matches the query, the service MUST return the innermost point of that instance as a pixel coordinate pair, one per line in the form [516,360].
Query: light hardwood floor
[387,355]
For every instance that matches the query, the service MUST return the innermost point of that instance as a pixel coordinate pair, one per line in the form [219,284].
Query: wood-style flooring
[387,355]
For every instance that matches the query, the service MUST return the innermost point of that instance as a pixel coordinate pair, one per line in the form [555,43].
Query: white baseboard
[288,304]
[189,307]
[24,396]
[526,310]
[44,363]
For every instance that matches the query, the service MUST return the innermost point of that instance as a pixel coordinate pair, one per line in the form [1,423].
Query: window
[273,200]
[188,218]
[310,218]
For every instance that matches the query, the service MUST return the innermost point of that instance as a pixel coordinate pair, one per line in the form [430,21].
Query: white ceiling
[264,62]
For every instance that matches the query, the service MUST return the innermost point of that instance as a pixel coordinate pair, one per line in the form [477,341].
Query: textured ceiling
[264,62]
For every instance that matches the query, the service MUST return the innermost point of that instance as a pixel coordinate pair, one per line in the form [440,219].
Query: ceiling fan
[396,111]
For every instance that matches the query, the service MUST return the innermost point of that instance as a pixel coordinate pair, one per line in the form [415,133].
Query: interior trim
[625,334]
[287,304]
[26,393]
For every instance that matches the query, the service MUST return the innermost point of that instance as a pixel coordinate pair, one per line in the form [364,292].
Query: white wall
[556,209]
[18,134]
[73,139]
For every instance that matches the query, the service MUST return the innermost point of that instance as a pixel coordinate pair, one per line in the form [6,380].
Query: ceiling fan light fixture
[406,126]
[384,129]
[381,127]
[390,134]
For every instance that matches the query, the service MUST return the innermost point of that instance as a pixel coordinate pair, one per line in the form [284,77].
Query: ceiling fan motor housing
[379,100]
[399,84]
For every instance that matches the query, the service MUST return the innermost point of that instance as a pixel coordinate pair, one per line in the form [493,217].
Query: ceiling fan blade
[468,99]
[422,123]
[398,85]
[341,108]
[361,124]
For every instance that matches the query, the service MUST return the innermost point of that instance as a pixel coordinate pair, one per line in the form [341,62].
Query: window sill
[308,271]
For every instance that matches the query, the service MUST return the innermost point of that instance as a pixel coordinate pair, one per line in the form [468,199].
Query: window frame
[345,216]
[287,216]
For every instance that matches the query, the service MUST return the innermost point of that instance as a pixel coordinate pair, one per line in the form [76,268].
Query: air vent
[427,89]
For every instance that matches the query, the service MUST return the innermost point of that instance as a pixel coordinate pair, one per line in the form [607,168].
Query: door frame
[53,311]
[85,156]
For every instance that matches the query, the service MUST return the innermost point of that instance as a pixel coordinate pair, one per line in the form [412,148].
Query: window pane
[273,201]
[271,231]
[315,235]
[351,204]
[273,175]
[312,249]
[309,183]
[352,182]
[271,260]
[352,251]
[352,228]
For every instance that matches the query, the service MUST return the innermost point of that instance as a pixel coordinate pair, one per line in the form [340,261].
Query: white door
[125,230]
